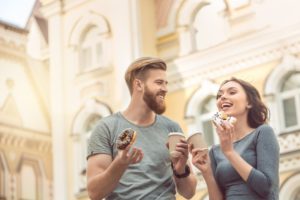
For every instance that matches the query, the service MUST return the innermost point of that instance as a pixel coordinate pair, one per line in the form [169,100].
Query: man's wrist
[186,173]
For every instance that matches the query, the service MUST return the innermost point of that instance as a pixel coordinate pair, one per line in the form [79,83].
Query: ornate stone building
[64,71]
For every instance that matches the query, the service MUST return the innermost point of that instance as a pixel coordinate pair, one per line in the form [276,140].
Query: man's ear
[138,84]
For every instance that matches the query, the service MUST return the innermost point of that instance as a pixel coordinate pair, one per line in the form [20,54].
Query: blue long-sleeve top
[261,150]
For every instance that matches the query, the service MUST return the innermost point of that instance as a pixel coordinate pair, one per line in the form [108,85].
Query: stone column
[52,10]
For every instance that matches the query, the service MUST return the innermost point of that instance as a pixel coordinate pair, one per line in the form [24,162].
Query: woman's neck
[242,129]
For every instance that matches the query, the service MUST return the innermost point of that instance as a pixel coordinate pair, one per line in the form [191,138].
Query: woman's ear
[249,106]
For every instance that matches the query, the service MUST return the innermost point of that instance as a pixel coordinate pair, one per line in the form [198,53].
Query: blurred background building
[62,70]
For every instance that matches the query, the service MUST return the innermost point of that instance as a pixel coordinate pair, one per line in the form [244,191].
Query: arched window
[28,183]
[290,101]
[91,52]
[200,109]
[282,94]
[90,43]
[206,111]
[211,28]
[30,179]
[84,123]
[83,141]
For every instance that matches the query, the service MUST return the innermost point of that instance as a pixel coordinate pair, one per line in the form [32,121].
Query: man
[143,171]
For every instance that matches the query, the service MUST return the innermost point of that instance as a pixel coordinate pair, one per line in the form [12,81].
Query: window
[290,102]
[90,124]
[206,111]
[28,183]
[211,28]
[83,125]
[91,50]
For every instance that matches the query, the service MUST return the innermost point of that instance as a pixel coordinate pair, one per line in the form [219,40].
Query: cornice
[15,137]
[233,56]
[10,39]
[51,7]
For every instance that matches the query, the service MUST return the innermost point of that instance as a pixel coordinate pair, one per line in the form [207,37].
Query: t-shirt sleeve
[266,174]
[176,128]
[99,142]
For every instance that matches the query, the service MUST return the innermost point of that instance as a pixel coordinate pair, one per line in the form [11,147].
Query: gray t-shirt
[261,150]
[152,178]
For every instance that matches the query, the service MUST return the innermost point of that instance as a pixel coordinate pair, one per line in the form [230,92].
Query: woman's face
[232,99]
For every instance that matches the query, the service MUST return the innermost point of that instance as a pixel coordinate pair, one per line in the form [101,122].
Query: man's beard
[150,99]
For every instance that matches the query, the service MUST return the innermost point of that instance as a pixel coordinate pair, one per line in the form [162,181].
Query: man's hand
[180,162]
[130,156]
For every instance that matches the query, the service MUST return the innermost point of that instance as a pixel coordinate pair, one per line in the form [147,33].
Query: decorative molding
[289,163]
[170,25]
[225,59]
[289,142]
[88,20]
[289,63]
[20,138]
[208,88]
[188,10]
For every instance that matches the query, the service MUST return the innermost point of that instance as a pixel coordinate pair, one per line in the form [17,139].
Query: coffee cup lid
[176,133]
[190,135]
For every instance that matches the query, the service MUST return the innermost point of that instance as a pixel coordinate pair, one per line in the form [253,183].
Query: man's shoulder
[107,120]
[165,118]
[167,121]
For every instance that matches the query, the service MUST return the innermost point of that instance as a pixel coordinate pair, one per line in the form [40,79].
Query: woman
[244,166]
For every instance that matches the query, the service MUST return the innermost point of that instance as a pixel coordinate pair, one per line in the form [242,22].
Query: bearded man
[144,170]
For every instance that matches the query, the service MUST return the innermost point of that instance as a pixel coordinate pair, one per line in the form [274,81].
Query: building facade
[65,71]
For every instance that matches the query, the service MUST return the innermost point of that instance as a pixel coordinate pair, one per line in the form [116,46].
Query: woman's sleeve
[266,174]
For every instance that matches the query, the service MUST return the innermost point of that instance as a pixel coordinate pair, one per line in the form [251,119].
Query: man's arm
[186,186]
[103,173]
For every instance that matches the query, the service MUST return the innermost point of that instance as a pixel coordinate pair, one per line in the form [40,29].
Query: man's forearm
[186,186]
[105,182]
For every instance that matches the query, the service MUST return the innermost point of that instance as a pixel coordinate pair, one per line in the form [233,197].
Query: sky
[16,12]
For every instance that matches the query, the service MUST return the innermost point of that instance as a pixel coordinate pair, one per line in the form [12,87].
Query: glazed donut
[127,137]
[220,116]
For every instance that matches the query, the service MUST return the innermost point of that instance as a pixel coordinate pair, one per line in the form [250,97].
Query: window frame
[281,97]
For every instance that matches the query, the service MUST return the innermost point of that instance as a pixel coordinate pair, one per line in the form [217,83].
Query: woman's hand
[226,135]
[201,159]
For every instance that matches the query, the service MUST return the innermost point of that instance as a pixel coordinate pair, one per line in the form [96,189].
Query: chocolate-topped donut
[126,138]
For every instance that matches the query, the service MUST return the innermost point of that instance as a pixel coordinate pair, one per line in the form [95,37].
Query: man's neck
[140,115]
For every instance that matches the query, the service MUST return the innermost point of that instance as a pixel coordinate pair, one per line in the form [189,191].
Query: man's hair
[138,69]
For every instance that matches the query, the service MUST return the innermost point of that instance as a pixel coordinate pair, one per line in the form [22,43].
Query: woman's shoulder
[265,131]
[264,128]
